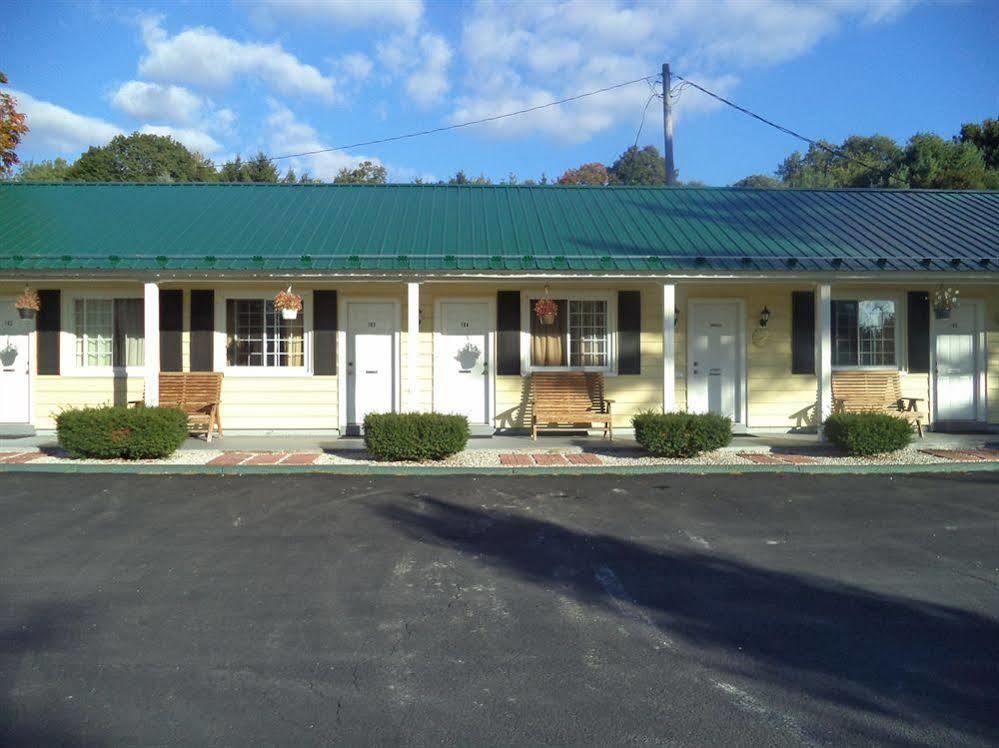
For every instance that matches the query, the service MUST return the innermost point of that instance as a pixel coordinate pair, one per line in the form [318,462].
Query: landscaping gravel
[609,456]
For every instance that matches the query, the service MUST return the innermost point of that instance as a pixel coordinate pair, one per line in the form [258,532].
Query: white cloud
[427,57]
[60,129]
[356,66]
[157,101]
[201,56]
[350,13]
[196,140]
[291,135]
[521,54]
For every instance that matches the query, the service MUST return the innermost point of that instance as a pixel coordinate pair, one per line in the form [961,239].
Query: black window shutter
[802,332]
[48,324]
[508,332]
[324,324]
[629,332]
[919,331]
[171,328]
[202,330]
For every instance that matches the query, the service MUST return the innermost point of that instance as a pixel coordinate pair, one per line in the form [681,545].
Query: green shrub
[868,433]
[681,434]
[414,436]
[111,432]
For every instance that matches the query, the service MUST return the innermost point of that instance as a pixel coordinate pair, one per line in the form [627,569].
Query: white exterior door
[461,360]
[371,387]
[15,371]
[958,364]
[713,351]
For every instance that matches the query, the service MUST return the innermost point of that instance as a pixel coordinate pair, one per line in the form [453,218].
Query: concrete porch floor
[564,441]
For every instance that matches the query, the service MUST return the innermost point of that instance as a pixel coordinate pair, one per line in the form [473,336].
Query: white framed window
[581,337]
[258,337]
[866,332]
[109,332]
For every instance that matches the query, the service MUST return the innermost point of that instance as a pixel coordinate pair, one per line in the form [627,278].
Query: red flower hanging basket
[547,310]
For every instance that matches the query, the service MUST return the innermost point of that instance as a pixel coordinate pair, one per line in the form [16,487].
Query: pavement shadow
[871,654]
[25,636]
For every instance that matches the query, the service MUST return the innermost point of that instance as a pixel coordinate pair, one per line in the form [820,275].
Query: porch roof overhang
[271,230]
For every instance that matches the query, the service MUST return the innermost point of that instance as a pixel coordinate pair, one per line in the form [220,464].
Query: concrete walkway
[563,442]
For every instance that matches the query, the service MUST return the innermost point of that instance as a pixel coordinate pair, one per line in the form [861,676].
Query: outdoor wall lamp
[764,317]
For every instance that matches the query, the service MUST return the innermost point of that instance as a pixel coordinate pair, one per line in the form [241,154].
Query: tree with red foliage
[592,173]
[13,126]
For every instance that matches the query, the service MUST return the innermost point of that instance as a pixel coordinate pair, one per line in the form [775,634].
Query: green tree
[138,157]
[985,137]
[759,182]
[930,162]
[820,168]
[593,173]
[366,172]
[461,178]
[13,127]
[44,171]
[260,169]
[636,166]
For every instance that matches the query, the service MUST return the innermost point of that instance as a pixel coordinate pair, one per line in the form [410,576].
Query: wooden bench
[197,393]
[874,391]
[568,399]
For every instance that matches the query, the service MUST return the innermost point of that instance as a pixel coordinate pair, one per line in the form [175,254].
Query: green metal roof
[188,227]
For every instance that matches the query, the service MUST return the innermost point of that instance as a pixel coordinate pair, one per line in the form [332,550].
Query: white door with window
[371,359]
[714,371]
[15,371]
[959,364]
[461,360]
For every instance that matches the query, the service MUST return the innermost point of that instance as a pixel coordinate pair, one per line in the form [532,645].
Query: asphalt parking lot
[676,610]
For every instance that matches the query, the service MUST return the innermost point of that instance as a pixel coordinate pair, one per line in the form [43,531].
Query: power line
[834,151]
[493,118]
[645,111]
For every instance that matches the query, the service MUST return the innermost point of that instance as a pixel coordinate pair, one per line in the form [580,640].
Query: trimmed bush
[414,436]
[116,432]
[868,433]
[681,434]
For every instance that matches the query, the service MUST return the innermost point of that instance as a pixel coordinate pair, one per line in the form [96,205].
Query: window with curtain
[109,332]
[257,335]
[864,332]
[578,338]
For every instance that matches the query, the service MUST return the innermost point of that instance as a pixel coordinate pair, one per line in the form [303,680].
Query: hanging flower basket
[547,310]
[289,303]
[28,304]
[944,301]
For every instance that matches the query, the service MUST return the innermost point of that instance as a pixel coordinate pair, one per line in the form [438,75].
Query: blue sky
[285,76]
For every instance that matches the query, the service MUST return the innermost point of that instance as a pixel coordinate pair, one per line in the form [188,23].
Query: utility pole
[668,129]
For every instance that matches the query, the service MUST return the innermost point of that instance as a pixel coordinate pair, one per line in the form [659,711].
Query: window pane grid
[863,333]
[588,333]
[262,337]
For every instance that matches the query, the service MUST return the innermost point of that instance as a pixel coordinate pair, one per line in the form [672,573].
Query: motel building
[743,302]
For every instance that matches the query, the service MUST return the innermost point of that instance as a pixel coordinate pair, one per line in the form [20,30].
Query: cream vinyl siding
[285,402]
[777,399]
[55,393]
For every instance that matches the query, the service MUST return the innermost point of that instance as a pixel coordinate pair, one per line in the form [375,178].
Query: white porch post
[412,343]
[151,345]
[669,347]
[823,353]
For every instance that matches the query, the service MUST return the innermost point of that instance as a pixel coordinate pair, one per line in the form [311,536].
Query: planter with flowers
[546,309]
[28,304]
[944,301]
[289,303]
